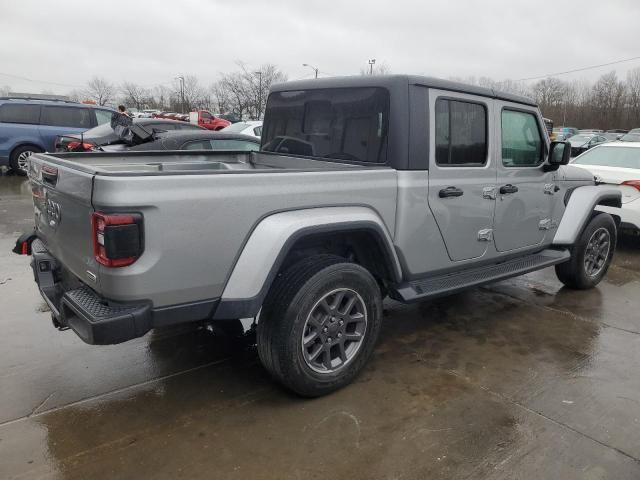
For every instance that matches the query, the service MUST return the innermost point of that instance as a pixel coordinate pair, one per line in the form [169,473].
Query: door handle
[508,188]
[450,192]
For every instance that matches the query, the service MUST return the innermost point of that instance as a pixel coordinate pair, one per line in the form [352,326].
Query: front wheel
[591,255]
[319,324]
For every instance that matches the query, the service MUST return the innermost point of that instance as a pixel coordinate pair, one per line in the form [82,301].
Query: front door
[462,173]
[525,192]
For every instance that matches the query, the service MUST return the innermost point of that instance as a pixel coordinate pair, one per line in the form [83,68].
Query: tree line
[243,92]
[607,103]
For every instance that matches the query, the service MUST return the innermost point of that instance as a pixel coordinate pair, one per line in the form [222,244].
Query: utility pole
[181,78]
[259,93]
[372,62]
[312,68]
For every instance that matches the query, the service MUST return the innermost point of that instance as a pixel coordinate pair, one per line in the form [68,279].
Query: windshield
[631,137]
[622,157]
[334,123]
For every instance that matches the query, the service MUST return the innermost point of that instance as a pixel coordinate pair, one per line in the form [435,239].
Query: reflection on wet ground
[521,379]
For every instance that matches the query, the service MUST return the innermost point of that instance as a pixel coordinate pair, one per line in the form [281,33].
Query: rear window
[66,117]
[339,123]
[622,157]
[20,113]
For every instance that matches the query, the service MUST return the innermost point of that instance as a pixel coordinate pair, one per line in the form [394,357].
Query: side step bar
[444,284]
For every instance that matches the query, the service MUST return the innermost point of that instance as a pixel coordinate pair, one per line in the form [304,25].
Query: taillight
[117,238]
[79,146]
[632,183]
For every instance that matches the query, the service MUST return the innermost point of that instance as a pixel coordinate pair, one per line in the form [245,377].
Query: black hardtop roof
[392,82]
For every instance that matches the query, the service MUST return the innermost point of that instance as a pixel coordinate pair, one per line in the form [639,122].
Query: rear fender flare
[271,240]
[579,210]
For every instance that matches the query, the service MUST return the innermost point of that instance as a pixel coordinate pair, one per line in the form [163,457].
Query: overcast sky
[68,41]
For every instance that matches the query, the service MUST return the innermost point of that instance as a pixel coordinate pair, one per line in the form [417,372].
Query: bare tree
[100,90]
[633,95]
[245,91]
[135,95]
[378,69]
[608,97]
[549,92]
[4,90]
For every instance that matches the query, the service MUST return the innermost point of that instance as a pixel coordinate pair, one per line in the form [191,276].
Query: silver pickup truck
[364,187]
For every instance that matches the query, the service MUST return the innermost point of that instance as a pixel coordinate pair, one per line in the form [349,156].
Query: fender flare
[270,242]
[579,209]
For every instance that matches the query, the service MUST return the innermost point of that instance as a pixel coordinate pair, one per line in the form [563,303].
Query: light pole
[311,67]
[259,93]
[372,62]
[181,78]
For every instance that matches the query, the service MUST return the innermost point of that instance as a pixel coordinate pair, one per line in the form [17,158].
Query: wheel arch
[579,211]
[275,242]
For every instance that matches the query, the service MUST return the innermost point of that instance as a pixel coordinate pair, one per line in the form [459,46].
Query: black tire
[574,273]
[293,297]
[15,158]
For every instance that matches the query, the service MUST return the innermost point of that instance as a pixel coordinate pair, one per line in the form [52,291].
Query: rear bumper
[100,321]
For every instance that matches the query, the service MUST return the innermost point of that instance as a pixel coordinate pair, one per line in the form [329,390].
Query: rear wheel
[19,160]
[591,255]
[319,325]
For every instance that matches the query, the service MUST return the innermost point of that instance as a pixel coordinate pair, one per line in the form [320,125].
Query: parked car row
[29,126]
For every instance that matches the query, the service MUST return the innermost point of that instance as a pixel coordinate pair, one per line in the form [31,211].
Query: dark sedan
[201,140]
[582,142]
[105,135]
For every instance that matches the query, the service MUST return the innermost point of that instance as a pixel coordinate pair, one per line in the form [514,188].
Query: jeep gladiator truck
[365,187]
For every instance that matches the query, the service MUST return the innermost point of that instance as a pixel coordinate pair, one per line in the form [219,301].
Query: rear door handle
[450,192]
[508,188]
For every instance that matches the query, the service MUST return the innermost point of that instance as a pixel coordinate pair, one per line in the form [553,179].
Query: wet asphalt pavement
[519,380]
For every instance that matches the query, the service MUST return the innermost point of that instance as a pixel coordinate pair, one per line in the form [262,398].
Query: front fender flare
[270,242]
[579,209]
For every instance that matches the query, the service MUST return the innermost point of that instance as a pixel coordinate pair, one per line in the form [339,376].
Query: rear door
[525,192]
[58,120]
[462,173]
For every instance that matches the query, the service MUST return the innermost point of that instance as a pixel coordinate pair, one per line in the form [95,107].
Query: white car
[617,164]
[252,127]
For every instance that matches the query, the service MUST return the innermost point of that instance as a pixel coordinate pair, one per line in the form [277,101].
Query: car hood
[576,174]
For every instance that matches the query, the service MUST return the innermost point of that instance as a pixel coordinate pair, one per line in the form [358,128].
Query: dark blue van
[29,126]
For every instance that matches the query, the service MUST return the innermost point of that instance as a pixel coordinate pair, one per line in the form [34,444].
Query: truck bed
[198,209]
[185,162]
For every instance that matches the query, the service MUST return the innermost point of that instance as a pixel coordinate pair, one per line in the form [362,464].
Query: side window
[461,133]
[75,117]
[241,145]
[521,140]
[197,145]
[103,116]
[206,115]
[18,113]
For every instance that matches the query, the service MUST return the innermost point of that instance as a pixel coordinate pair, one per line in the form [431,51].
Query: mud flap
[23,243]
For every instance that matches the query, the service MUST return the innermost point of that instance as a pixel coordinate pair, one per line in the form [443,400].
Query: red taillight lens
[117,238]
[633,183]
[78,146]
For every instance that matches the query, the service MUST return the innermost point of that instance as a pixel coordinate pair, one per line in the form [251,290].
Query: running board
[445,284]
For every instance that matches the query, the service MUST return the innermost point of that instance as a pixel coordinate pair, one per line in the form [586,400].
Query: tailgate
[62,208]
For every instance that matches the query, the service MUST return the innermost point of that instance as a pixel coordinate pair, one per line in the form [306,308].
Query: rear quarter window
[74,117]
[20,113]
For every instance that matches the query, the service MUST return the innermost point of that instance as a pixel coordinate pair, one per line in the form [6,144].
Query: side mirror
[559,154]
